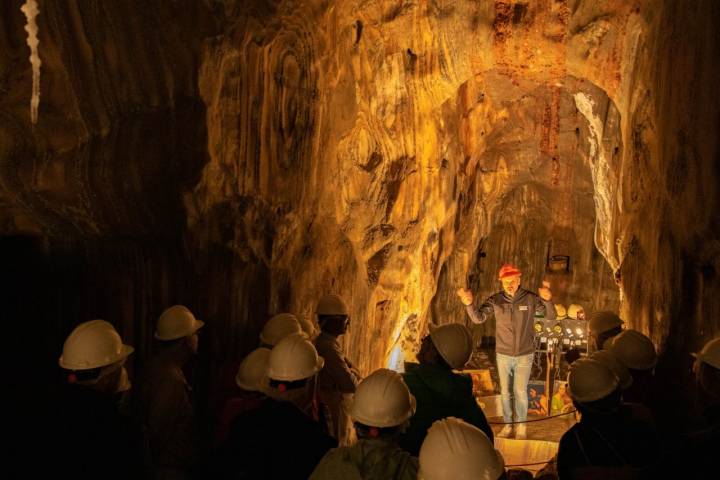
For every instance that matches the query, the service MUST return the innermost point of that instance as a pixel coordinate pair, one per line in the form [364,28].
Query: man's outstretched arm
[477,314]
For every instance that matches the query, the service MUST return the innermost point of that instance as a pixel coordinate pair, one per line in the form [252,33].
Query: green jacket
[368,459]
[440,393]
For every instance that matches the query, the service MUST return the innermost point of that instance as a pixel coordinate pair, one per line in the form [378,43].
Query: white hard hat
[455,450]
[293,358]
[309,328]
[560,310]
[615,365]
[573,310]
[382,400]
[332,305]
[279,327]
[93,344]
[603,321]
[710,353]
[590,380]
[454,343]
[252,372]
[635,350]
[176,322]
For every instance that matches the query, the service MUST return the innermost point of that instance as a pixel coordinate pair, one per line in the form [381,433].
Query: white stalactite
[31,10]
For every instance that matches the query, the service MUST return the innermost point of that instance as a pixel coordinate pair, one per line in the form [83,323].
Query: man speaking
[514,310]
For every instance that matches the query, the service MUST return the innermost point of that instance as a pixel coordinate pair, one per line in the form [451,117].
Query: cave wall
[243,157]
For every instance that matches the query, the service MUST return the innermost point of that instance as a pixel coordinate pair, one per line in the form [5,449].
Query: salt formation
[31,10]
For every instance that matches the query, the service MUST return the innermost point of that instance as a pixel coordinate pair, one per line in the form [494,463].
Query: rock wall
[244,157]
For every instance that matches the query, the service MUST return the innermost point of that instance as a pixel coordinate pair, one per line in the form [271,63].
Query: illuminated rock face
[391,152]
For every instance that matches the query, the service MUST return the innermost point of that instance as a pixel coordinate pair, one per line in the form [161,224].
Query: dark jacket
[609,446]
[275,440]
[92,438]
[167,416]
[514,319]
[439,393]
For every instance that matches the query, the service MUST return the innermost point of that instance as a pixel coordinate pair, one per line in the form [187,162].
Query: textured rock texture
[243,157]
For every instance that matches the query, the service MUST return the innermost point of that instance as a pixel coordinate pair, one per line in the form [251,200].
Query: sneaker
[521,432]
[505,432]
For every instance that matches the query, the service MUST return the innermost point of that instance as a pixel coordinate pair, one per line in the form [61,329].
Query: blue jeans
[517,370]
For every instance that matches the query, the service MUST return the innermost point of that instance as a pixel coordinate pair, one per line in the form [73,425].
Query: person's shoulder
[569,435]
[497,297]
[528,293]
[461,378]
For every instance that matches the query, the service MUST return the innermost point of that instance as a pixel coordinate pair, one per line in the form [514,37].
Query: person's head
[509,276]
[382,404]
[292,366]
[593,387]
[533,392]
[634,350]
[252,372]
[454,449]
[278,327]
[94,356]
[448,345]
[707,373]
[333,315]
[177,328]
[603,325]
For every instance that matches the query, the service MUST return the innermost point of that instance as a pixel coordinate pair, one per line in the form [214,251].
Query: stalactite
[31,10]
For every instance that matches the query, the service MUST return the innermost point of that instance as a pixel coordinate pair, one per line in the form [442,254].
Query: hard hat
[508,270]
[573,310]
[455,450]
[293,358]
[590,380]
[176,322]
[332,305]
[635,350]
[454,343]
[382,400]
[615,366]
[93,344]
[253,369]
[308,327]
[279,327]
[710,353]
[560,310]
[603,321]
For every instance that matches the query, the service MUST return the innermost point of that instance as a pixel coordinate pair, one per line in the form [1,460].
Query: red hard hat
[508,270]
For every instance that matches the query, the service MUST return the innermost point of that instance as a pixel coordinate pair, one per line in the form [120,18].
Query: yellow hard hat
[573,310]
[560,310]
